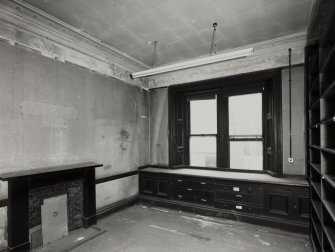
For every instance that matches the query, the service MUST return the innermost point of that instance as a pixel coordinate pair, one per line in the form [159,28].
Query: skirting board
[117,206]
[227,214]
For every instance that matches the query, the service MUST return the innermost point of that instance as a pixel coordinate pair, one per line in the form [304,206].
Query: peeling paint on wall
[54,113]
[41,34]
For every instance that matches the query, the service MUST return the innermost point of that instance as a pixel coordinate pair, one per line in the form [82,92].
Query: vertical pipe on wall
[290,101]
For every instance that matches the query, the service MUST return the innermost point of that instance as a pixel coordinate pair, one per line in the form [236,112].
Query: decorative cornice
[267,55]
[26,26]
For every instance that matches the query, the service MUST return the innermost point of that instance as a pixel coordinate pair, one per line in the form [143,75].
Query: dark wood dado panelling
[115,177]
[277,202]
[4,202]
[282,206]
[289,203]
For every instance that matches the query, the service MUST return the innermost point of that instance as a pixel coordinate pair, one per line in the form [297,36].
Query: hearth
[63,194]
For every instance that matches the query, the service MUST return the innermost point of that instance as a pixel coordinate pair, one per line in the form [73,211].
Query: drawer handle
[238,207]
[189,189]
[180,180]
[203,183]
[203,200]
[180,196]
[239,196]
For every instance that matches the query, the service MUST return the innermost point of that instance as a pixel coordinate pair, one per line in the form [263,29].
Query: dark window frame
[203,95]
[268,82]
[259,88]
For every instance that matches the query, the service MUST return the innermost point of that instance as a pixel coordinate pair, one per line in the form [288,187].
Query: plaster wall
[298,122]
[54,113]
[159,142]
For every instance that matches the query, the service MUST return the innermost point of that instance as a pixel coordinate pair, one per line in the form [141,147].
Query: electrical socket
[290,160]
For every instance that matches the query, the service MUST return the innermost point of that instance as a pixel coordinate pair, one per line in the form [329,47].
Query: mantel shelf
[50,169]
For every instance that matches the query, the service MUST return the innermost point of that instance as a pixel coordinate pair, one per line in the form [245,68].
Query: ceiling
[183,28]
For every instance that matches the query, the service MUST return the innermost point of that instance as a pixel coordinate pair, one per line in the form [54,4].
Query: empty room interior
[190,125]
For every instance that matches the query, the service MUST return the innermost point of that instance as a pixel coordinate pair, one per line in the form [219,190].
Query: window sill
[224,169]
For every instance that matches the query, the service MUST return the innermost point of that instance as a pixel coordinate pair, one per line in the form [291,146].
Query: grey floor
[140,228]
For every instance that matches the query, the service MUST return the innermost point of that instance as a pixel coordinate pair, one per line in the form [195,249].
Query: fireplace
[31,194]
[40,197]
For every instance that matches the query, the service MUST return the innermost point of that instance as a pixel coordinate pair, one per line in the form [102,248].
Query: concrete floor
[144,229]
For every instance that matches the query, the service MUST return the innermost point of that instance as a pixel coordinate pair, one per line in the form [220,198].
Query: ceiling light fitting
[195,62]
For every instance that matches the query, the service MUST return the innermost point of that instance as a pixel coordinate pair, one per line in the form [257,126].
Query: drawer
[240,197]
[202,197]
[178,181]
[243,190]
[199,197]
[202,184]
[238,207]
[181,195]
[192,183]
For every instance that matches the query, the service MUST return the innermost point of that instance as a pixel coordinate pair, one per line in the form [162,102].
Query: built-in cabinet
[320,113]
[277,205]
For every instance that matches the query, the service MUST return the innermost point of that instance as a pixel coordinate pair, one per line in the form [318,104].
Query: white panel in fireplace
[54,218]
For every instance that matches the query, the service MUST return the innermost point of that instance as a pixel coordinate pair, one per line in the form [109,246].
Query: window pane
[245,114]
[246,155]
[203,116]
[203,151]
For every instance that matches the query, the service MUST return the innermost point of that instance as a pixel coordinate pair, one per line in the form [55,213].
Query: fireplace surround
[28,185]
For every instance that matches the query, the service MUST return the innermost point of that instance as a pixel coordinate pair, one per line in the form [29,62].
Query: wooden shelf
[316,167]
[320,115]
[317,188]
[315,126]
[328,150]
[317,207]
[49,169]
[315,147]
[328,121]
[330,206]
[315,103]
[330,233]
[330,179]
[314,245]
[329,92]
[312,237]
[317,229]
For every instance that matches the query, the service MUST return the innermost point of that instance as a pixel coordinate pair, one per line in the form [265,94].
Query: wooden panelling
[272,203]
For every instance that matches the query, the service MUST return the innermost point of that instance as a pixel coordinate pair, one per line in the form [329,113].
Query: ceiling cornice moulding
[268,54]
[23,25]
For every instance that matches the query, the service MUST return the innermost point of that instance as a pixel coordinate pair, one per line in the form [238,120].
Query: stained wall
[53,113]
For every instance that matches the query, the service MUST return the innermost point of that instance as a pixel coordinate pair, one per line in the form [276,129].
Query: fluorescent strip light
[196,62]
